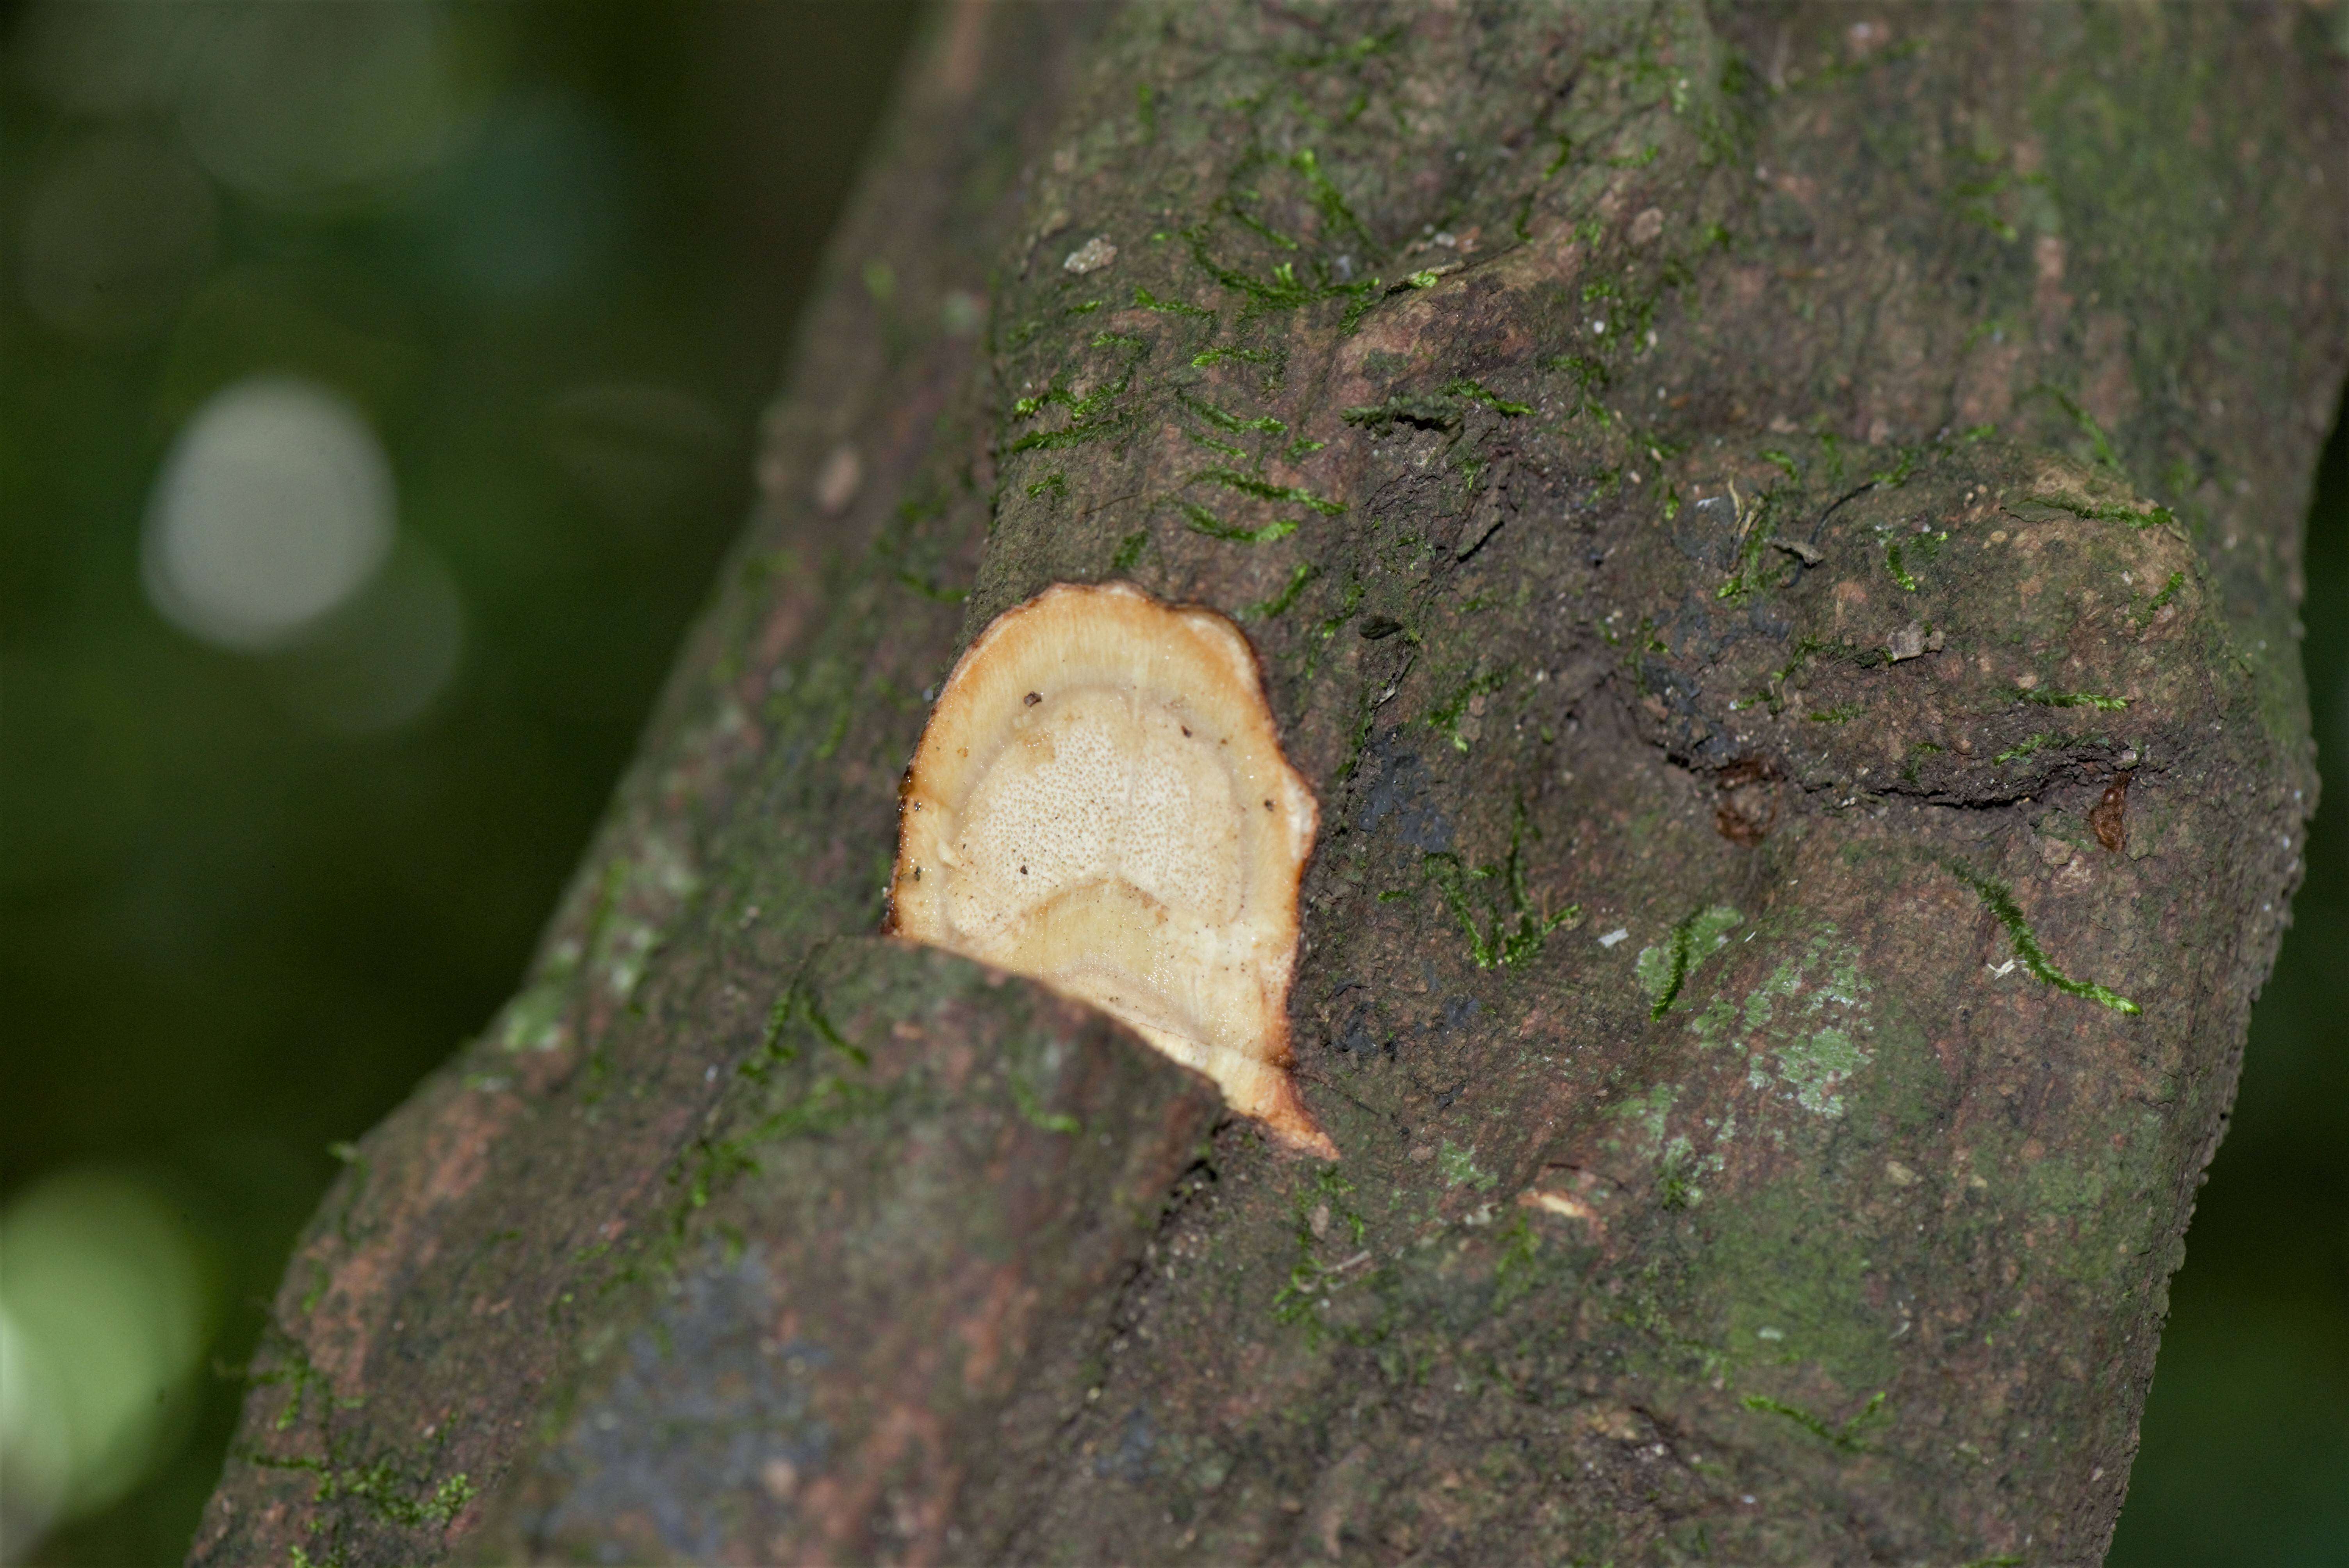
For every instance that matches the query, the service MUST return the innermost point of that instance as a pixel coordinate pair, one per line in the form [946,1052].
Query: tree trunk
[1772,534]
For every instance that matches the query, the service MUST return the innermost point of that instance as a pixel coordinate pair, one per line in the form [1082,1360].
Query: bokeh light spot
[103,1318]
[274,506]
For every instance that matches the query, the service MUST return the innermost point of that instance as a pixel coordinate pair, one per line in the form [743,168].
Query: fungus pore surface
[1100,802]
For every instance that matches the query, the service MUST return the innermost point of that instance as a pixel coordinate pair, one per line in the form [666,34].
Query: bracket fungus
[1100,802]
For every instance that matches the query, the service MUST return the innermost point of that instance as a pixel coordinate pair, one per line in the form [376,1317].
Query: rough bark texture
[1772,535]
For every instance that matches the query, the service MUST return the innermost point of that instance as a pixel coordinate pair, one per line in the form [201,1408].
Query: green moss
[1845,1438]
[1428,410]
[1249,484]
[319,1279]
[1460,1169]
[1201,521]
[1904,463]
[1266,609]
[799,1006]
[1073,436]
[1893,563]
[1305,1292]
[1148,301]
[2098,442]
[2017,752]
[1031,1109]
[1129,549]
[300,1378]
[1368,46]
[1508,929]
[2070,700]
[1327,198]
[1088,415]
[383,1489]
[1212,356]
[831,1102]
[1831,446]
[1477,392]
[2107,511]
[2153,606]
[1223,420]
[1283,289]
[1514,1273]
[1056,482]
[1663,970]
[1675,1191]
[2001,901]
[1590,377]
[1329,626]
[713,1164]
[1286,271]
[1444,719]
[1757,528]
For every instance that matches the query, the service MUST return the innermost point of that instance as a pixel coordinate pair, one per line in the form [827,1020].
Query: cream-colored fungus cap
[1101,802]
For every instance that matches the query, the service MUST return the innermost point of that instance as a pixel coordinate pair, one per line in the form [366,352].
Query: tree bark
[1773,535]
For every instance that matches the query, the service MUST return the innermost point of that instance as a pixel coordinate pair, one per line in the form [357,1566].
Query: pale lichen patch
[1802,1029]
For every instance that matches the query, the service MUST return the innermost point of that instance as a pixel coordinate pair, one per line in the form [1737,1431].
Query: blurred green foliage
[2245,1455]
[559,281]
[231,938]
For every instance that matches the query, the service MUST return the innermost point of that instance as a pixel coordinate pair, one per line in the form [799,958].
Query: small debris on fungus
[2109,816]
[1081,798]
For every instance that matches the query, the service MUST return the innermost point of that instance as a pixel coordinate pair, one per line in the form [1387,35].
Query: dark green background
[231,941]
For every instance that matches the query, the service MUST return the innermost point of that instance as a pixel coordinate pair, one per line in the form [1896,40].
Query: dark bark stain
[2109,816]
